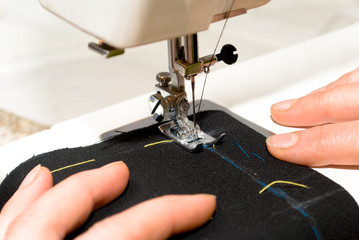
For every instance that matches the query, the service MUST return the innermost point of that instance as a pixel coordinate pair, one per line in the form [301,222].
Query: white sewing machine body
[120,24]
[124,23]
[282,74]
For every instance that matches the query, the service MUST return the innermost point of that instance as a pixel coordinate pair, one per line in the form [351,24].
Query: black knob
[228,54]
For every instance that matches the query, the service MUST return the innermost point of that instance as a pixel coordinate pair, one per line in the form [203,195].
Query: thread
[242,150]
[73,165]
[258,157]
[280,194]
[285,182]
[155,143]
[214,52]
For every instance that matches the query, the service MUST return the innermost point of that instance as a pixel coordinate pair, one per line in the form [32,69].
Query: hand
[40,211]
[334,112]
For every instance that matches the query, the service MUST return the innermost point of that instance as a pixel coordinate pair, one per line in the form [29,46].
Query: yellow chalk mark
[152,144]
[73,165]
[285,182]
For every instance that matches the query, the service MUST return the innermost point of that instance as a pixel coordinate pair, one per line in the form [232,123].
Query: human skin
[38,210]
[331,116]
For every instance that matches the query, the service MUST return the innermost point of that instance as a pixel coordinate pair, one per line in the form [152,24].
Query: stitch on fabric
[232,163]
[302,211]
[285,182]
[152,144]
[271,189]
[258,157]
[242,150]
[297,206]
[316,232]
[238,167]
[280,194]
[73,165]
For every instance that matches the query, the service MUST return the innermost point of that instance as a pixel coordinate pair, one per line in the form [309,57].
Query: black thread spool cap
[228,54]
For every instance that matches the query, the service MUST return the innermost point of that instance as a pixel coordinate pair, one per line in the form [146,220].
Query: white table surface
[247,88]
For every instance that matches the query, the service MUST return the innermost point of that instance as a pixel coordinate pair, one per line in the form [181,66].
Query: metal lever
[105,49]
[170,100]
[227,54]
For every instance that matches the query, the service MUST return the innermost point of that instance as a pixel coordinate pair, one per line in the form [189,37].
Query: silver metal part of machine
[121,24]
[170,100]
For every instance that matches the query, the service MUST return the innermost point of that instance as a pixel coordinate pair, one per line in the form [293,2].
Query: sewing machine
[121,25]
[291,71]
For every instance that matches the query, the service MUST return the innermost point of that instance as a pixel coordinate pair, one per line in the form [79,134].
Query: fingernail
[112,164]
[31,176]
[214,196]
[286,140]
[284,105]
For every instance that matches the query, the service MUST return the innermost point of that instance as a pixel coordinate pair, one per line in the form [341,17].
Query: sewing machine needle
[193,101]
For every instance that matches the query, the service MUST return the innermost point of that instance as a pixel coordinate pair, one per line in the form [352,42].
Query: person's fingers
[334,105]
[332,144]
[158,218]
[68,204]
[37,181]
[348,78]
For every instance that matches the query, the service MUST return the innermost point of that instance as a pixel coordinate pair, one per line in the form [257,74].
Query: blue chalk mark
[232,163]
[258,157]
[242,150]
[316,232]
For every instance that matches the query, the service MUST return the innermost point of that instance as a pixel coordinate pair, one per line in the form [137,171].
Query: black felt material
[234,171]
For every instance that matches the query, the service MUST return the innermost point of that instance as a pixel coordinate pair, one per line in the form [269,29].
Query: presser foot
[189,136]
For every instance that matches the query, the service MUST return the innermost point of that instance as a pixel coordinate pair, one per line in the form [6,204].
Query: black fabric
[234,171]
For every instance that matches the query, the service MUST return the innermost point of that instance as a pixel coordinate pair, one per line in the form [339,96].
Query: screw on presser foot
[170,100]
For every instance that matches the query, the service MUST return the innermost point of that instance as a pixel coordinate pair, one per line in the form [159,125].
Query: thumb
[332,144]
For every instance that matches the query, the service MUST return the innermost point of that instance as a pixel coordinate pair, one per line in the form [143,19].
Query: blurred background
[48,75]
